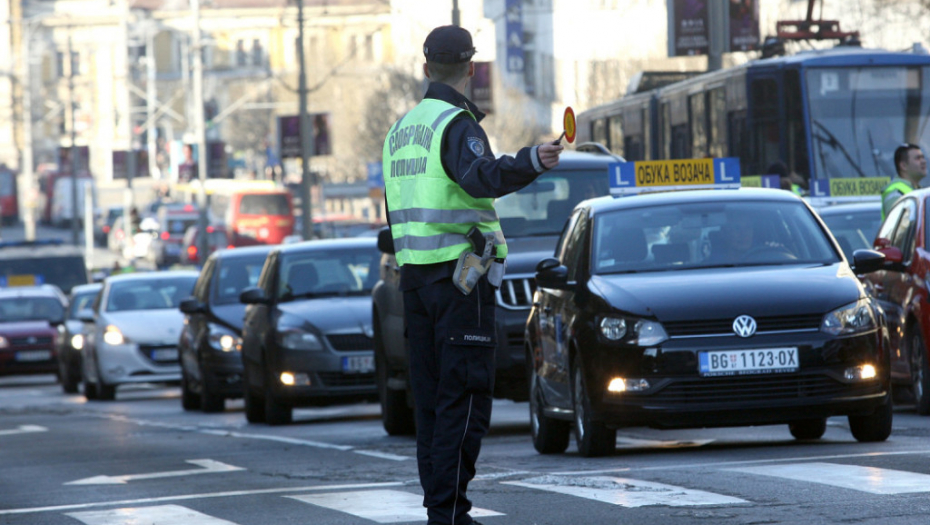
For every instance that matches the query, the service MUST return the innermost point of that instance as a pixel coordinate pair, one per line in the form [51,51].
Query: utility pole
[456,14]
[150,97]
[719,33]
[306,141]
[74,151]
[29,211]
[200,132]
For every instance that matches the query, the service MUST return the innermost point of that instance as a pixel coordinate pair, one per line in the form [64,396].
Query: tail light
[106,229]
[192,252]
[165,236]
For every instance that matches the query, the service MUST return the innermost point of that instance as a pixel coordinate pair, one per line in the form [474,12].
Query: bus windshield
[860,115]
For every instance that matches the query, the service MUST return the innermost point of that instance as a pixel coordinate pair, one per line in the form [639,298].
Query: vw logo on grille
[744,326]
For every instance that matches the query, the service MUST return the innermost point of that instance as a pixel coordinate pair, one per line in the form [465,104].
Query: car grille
[516,293]
[336,379]
[349,342]
[783,323]
[757,388]
[30,341]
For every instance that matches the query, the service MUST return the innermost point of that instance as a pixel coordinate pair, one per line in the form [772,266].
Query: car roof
[573,159]
[150,276]
[43,290]
[244,251]
[601,204]
[324,244]
[86,288]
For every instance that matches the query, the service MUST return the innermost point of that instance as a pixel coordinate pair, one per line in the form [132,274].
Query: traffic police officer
[911,165]
[440,182]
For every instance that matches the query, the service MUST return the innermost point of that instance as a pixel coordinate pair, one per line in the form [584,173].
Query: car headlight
[853,318]
[77,341]
[644,332]
[223,339]
[112,336]
[299,340]
[4,342]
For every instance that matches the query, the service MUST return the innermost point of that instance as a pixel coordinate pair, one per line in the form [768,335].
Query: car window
[351,271]
[854,230]
[891,222]
[542,207]
[564,237]
[267,277]
[178,226]
[149,294]
[903,237]
[234,275]
[574,249]
[701,235]
[13,309]
[82,301]
[264,204]
[202,287]
[64,271]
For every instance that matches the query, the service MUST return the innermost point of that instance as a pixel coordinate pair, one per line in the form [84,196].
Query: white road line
[382,455]
[865,479]
[280,439]
[628,442]
[207,466]
[160,515]
[626,492]
[23,429]
[185,497]
[382,506]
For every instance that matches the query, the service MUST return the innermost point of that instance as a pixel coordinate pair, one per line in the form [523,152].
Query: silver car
[134,338]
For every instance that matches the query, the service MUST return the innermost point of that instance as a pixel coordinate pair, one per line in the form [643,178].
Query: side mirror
[893,257]
[868,261]
[55,321]
[191,306]
[551,274]
[385,240]
[86,315]
[253,295]
[881,242]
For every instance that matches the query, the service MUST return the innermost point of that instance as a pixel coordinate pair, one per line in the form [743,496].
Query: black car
[72,340]
[854,226]
[531,220]
[307,336]
[209,345]
[703,309]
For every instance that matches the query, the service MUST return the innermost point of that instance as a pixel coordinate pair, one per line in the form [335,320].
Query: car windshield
[81,301]
[264,204]
[234,275]
[542,207]
[15,309]
[179,225]
[854,230]
[347,271]
[64,271]
[707,235]
[149,294]
[859,116]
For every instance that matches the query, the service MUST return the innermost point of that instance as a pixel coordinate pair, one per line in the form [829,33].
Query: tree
[399,92]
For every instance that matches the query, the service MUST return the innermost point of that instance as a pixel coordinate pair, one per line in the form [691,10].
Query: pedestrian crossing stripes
[381,506]
[865,479]
[387,505]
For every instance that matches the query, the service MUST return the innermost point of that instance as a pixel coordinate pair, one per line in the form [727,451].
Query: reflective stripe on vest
[429,212]
[900,186]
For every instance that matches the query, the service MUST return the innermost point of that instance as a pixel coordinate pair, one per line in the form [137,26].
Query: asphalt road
[142,460]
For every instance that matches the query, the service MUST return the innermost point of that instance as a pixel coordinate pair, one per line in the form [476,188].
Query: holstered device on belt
[472,266]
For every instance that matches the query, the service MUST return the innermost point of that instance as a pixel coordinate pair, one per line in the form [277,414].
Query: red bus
[9,203]
[253,213]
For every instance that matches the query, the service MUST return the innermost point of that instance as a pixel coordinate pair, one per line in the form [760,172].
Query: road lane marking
[383,455]
[628,442]
[207,495]
[864,479]
[626,492]
[382,506]
[208,466]
[23,429]
[160,515]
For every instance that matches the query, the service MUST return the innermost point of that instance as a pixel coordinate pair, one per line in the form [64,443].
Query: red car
[30,318]
[902,290]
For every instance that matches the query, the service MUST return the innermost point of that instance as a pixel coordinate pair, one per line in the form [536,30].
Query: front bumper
[222,372]
[137,363]
[327,381]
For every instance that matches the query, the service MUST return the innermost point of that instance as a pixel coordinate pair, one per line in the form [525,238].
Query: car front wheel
[396,416]
[874,427]
[593,437]
[808,428]
[920,372]
[254,403]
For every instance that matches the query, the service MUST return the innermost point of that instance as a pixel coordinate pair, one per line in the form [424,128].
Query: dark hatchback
[209,345]
[307,338]
[703,309]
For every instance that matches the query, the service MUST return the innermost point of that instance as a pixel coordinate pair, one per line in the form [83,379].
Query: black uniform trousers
[451,341]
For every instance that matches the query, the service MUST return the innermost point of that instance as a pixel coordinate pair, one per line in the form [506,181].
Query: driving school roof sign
[683,174]
[848,189]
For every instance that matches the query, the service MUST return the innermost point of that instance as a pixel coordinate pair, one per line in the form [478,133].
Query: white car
[136,326]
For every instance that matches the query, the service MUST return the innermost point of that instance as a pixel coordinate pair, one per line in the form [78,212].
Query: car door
[256,317]
[556,311]
[898,283]
[195,330]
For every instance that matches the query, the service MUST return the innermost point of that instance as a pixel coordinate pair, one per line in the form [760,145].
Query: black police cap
[448,45]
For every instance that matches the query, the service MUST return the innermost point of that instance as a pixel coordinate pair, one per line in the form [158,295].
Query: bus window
[738,144]
[698,125]
[665,131]
[599,131]
[765,132]
[797,138]
[647,135]
[616,135]
[718,122]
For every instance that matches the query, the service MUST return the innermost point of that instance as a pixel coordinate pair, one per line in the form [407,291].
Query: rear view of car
[260,216]
[173,222]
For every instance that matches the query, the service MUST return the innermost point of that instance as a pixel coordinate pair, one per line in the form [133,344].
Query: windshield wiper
[830,139]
